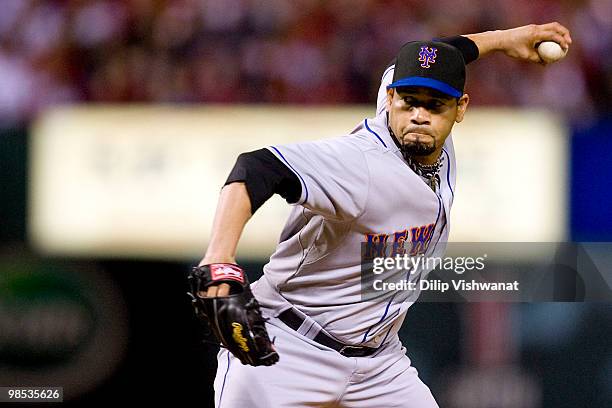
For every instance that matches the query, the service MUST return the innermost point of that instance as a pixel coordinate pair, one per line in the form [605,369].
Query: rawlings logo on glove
[226,271]
[238,337]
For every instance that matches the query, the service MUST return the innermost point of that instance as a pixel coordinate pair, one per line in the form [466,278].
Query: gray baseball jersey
[355,189]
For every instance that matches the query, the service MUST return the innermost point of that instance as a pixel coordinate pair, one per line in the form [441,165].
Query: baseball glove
[236,319]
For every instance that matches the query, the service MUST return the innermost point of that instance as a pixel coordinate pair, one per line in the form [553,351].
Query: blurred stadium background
[120,118]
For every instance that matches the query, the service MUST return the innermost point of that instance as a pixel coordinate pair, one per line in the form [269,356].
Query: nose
[420,116]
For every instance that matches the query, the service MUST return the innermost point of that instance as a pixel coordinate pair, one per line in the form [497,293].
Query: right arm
[519,43]
[256,176]
[233,212]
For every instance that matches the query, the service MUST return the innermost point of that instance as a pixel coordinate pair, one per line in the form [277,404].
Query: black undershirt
[265,175]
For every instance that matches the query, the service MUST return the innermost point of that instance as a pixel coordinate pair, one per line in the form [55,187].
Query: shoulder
[370,136]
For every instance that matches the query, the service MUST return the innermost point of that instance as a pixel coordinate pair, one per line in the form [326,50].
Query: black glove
[236,319]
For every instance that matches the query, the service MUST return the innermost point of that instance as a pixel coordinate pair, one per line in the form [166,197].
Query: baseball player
[390,181]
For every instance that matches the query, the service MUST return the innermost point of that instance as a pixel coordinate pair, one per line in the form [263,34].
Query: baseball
[550,51]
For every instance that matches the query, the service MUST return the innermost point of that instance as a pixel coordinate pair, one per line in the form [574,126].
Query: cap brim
[427,83]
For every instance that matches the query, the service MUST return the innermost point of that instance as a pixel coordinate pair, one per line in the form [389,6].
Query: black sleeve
[265,175]
[467,47]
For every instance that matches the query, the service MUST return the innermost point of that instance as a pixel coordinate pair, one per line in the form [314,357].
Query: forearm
[521,42]
[487,42]
[233,212]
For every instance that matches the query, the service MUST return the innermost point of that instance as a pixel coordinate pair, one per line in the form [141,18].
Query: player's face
[422,119]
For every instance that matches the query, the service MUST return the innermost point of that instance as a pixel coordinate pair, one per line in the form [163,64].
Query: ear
[462,105]
[390,92]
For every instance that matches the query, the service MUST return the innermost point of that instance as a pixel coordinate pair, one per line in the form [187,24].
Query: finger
[568,37]
[550,34]
[557,27]
[557,33]
[535,57]
[559,39]
[563,31]
[224,290]
[212,291]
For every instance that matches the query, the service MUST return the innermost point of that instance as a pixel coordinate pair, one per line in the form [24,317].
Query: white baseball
[550,51]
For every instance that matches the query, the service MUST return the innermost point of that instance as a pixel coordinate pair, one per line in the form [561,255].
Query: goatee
[417,149]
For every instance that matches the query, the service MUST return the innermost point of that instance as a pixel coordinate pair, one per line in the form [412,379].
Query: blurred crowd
[280,51]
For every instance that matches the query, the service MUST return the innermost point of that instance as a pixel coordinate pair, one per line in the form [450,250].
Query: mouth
[417,136]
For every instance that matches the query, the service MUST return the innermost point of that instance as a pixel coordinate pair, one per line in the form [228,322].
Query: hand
[236,320]
[520,42]
[217,290]
[222,289]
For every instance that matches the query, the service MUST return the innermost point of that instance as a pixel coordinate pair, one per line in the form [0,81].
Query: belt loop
[305,328]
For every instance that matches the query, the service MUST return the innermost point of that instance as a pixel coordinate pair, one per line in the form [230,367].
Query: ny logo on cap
[427,56]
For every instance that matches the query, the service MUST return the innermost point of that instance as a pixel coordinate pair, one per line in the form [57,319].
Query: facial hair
[417,149]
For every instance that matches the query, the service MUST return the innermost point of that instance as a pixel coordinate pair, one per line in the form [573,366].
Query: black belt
[294,320]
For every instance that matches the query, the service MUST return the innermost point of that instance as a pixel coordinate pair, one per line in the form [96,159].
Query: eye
[436,106]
